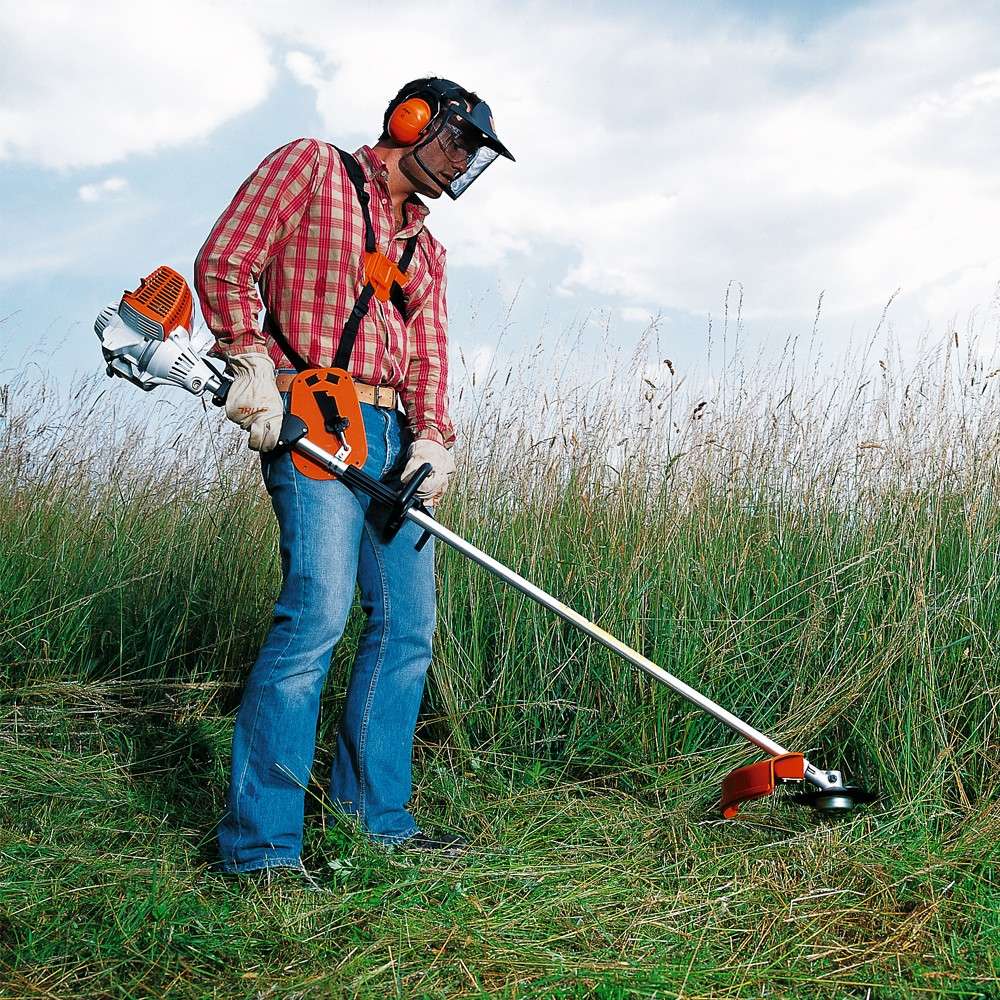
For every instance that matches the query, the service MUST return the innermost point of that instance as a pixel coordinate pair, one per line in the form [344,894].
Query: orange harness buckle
[381,273]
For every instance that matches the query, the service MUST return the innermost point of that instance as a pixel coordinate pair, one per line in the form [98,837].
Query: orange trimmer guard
[325,398]
[757,780]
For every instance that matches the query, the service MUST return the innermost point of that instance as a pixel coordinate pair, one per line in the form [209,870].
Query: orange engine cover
[160,304]
[322,397]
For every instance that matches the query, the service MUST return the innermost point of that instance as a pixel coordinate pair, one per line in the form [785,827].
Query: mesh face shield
[459,147]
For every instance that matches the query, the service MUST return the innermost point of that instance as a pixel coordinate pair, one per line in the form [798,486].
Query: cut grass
[572,887]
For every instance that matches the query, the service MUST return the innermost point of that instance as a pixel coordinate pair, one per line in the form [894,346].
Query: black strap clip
[334,421]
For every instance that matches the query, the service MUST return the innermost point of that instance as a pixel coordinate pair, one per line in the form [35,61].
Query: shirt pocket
[419,284]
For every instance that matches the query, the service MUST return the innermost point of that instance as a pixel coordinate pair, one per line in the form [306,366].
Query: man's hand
[443,466]
[253,400]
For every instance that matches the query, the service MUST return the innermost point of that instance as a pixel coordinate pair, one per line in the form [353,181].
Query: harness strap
[273,330]
[396,294]
[357,178]
[347,338]
[350,332]
[353,324]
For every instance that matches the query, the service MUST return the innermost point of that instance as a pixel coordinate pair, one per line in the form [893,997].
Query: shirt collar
[376,172]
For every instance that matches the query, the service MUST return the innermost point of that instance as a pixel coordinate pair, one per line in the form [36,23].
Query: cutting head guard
[436,111]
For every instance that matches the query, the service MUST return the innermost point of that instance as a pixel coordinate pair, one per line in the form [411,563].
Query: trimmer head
[829,794]
[835,801]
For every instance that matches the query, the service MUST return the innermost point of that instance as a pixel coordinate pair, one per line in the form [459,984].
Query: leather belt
[374,395]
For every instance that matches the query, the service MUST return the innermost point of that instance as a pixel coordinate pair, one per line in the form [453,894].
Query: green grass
[820,558]
[575,888]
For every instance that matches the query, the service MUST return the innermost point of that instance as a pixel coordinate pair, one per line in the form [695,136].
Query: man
[303,225]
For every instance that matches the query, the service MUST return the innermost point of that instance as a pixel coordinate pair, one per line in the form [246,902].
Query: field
[817,549]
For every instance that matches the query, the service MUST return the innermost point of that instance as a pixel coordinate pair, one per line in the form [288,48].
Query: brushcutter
[148,339]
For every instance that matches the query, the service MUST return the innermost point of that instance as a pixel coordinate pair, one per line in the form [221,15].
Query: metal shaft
[596,632]
[821,779]
[469,550]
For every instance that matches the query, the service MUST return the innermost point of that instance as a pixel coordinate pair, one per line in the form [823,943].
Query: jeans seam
[260,694]
[377,669]
[388,460]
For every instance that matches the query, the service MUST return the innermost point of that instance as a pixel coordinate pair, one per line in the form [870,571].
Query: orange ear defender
[409,120]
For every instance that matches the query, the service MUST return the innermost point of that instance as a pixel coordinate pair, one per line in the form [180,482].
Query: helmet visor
[480,160]
[454,153]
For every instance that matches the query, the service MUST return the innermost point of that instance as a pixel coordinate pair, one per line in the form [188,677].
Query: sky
[668,154]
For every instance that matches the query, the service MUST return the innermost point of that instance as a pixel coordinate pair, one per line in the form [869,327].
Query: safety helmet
[438,110]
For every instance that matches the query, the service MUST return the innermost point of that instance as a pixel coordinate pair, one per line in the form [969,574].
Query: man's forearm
[230,311]
[268,206]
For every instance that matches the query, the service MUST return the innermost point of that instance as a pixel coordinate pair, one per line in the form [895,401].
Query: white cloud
[638,314]
[101,189]
[304,68]
[664,152]
[671,156]
[84,249]
[14,266]
[88,87]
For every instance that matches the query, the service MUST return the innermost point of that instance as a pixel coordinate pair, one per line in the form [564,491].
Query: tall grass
[815,548]
[817,554]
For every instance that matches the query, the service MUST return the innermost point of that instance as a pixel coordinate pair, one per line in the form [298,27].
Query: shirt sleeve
[262,215]
[425,388]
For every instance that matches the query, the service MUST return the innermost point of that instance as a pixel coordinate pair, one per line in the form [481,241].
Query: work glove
[443,465]
[253,400]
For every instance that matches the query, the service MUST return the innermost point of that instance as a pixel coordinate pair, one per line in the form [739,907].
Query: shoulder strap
[347,338]
[357,177]
[404,260]
[271,326]
[273,329]
[353,324]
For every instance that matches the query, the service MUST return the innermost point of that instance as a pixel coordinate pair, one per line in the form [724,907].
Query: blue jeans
[331,538]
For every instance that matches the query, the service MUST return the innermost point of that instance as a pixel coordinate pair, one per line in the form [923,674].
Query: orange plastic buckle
[382,274]
[757,780]
[325,398]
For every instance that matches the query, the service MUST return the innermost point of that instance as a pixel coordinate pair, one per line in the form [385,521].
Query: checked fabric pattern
[295,226]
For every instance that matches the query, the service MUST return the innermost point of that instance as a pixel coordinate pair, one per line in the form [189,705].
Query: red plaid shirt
[296,225]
